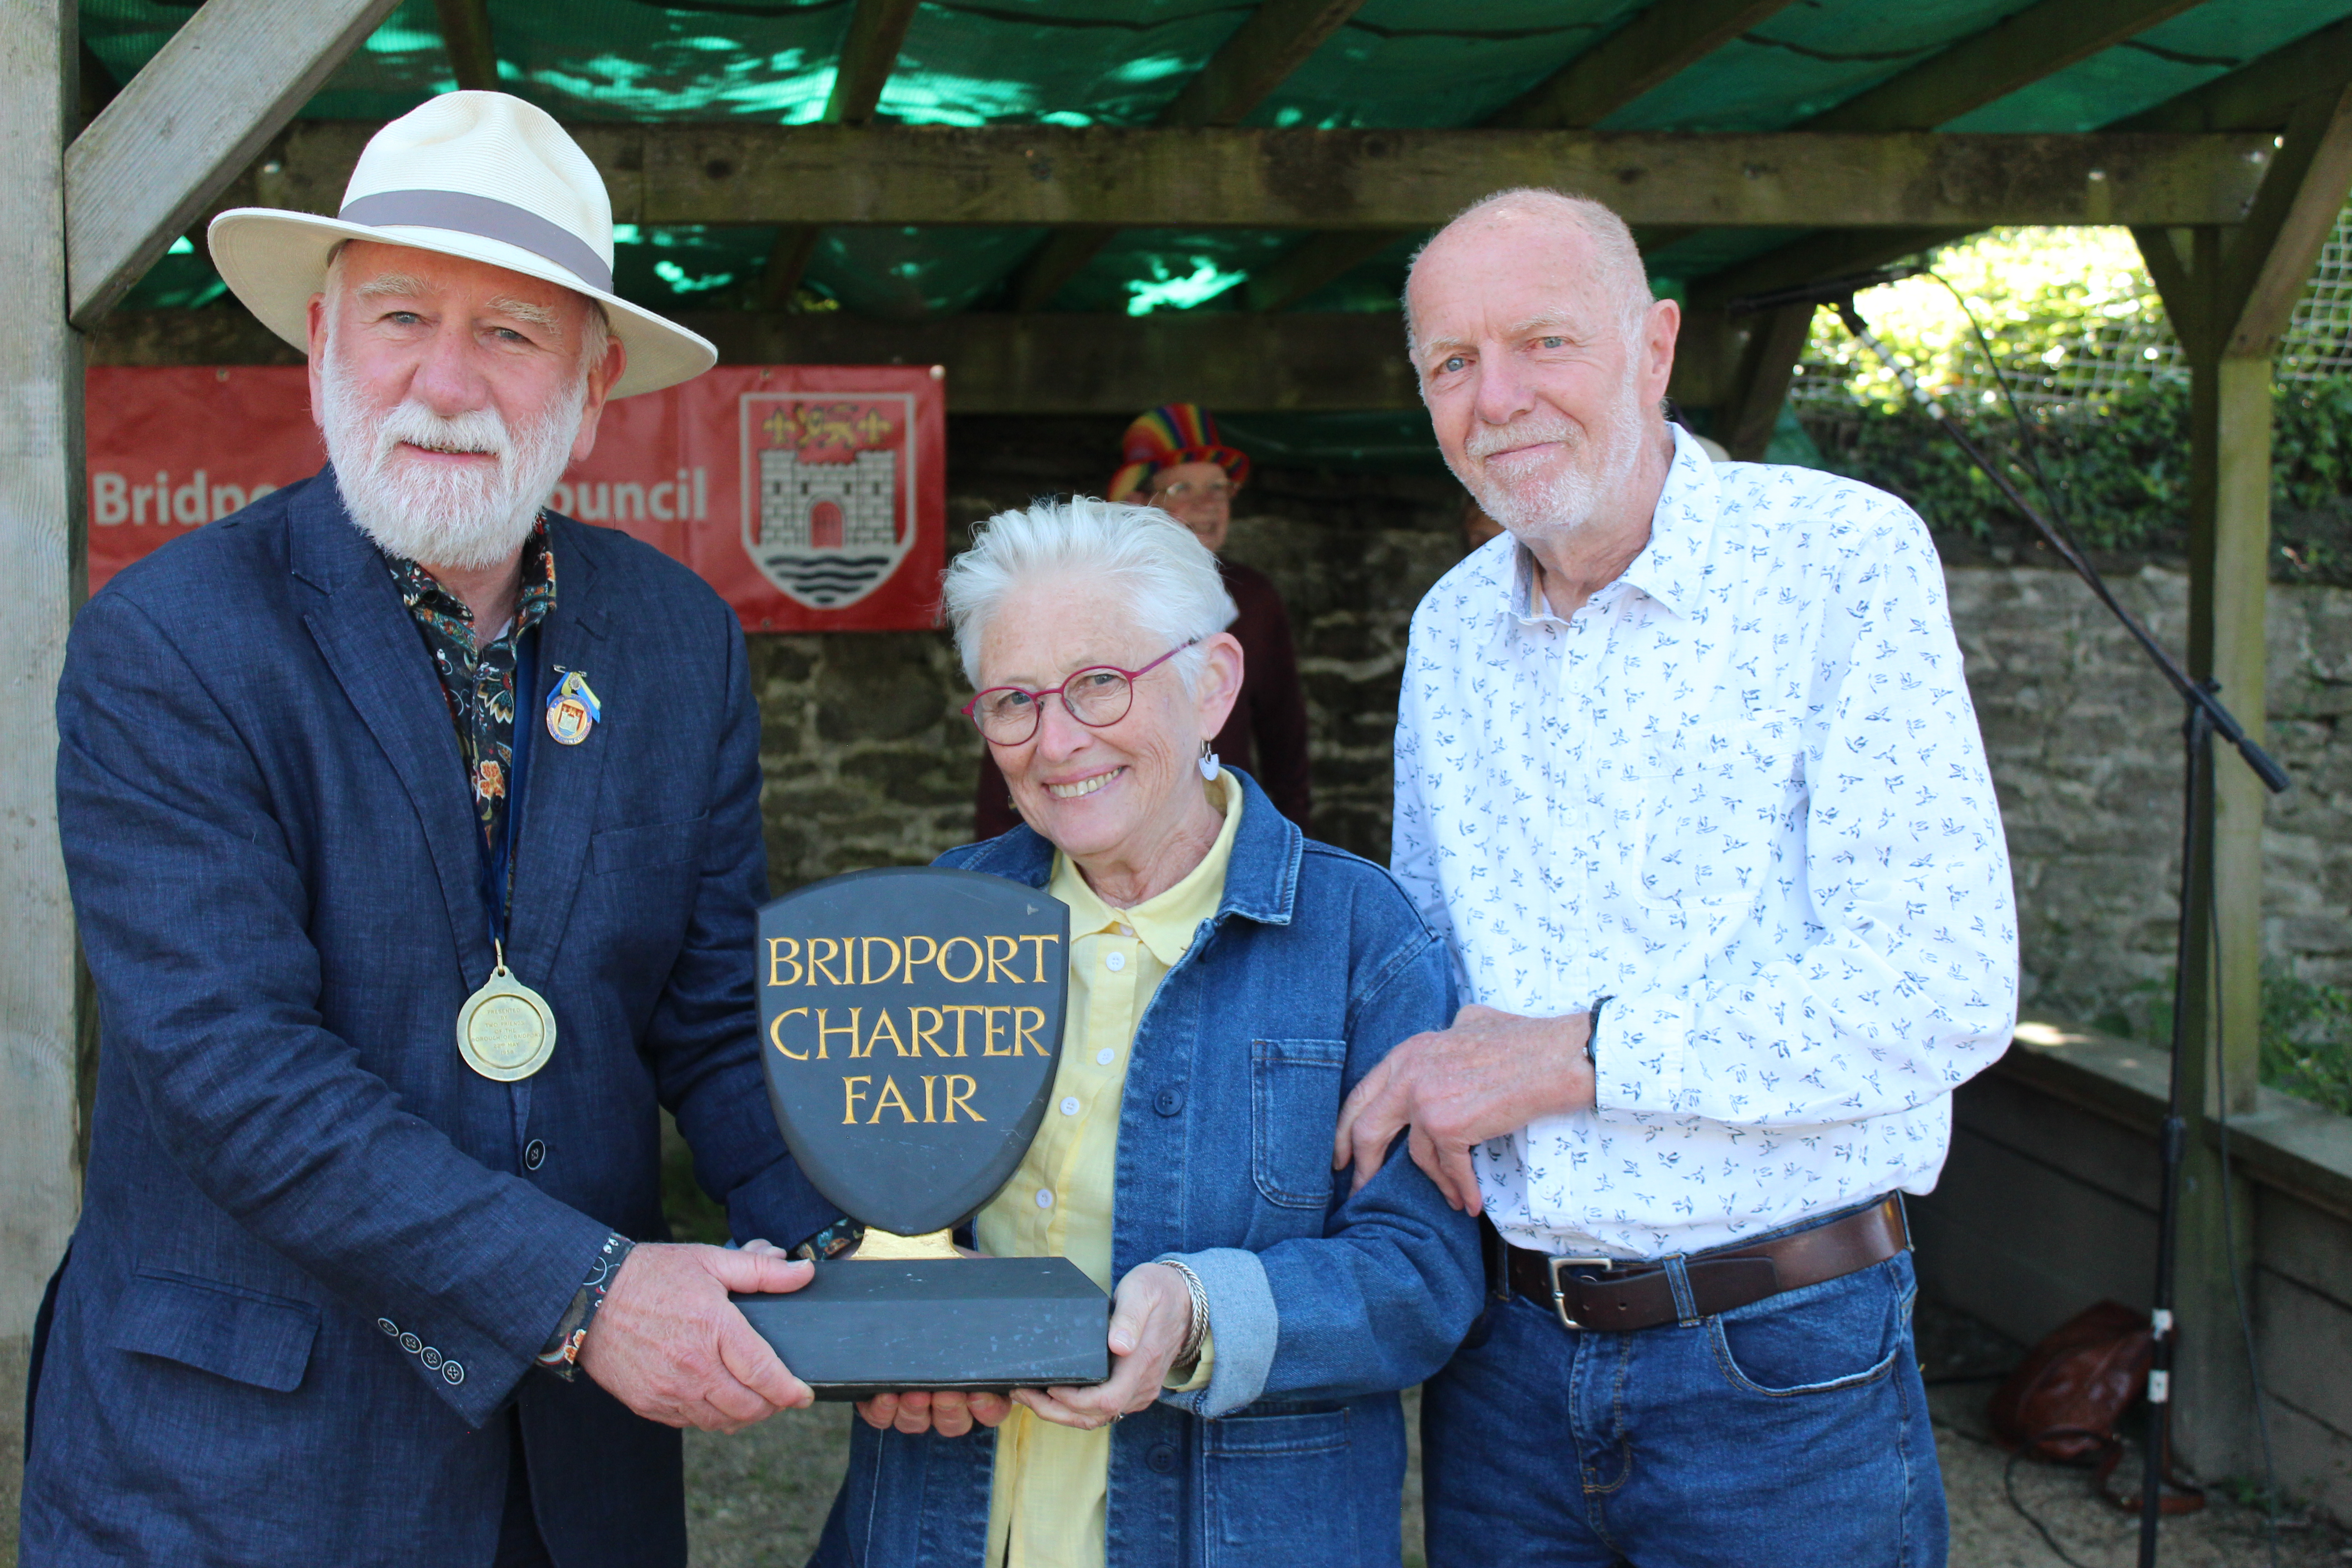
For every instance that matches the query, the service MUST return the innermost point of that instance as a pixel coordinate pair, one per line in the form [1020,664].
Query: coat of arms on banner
[828,491]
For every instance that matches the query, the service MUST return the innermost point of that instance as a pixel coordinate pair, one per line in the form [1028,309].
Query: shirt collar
[1670,567]
[423,592]
[1165,922]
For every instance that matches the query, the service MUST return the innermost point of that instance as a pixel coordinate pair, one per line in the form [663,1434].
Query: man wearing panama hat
[414,836]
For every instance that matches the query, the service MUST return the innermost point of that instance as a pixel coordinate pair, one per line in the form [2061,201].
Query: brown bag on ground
[2066,1398]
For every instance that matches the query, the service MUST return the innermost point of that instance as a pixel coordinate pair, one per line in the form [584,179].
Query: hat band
[487,218]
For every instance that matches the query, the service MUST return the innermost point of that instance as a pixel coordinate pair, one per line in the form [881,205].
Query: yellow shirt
[1047,1508]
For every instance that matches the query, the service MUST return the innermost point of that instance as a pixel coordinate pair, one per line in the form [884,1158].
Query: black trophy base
[983,1323]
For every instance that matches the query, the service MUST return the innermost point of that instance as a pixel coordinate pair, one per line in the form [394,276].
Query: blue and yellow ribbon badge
[572,708]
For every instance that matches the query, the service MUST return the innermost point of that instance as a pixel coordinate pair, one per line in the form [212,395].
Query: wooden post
[40,543]
[2229,296]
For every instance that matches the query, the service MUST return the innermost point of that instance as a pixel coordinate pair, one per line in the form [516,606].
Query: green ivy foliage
[2120,470]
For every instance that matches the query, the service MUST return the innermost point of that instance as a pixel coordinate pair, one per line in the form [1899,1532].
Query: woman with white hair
[1230,982]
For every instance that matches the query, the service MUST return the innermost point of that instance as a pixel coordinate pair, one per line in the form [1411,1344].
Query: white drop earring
[1207,763]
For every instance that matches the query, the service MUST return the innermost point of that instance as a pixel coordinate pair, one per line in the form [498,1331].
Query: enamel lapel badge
[572,710]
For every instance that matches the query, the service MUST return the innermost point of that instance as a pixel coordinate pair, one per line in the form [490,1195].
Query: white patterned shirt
[1741,794]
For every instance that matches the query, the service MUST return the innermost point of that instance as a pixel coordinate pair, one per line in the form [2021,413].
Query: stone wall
[870,763]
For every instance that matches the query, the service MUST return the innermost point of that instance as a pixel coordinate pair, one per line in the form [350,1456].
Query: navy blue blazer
[318,1254]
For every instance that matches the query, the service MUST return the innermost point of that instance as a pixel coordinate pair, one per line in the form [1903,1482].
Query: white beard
[1597,465]
[466,519]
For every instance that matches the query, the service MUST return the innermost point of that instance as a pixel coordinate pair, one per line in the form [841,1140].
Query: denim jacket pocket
[1258,1470]
[1294,1105]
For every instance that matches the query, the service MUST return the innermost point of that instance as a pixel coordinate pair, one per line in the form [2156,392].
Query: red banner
[812,498]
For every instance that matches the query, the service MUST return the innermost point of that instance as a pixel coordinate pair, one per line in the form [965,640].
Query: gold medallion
[505,1031]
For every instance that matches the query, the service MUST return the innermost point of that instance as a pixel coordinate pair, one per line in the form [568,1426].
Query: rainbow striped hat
[1170,434]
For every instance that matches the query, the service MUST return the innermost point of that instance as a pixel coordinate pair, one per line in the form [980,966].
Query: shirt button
[1045,1198]
[1162,1459]
[1169,1102]
[1103,1057]
[1069,1105]
[534,1155]
[1114,961]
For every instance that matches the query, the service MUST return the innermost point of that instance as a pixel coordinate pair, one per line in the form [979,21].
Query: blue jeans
[1793,1431]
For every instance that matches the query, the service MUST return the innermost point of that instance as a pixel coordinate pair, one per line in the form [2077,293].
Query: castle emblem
[828,491]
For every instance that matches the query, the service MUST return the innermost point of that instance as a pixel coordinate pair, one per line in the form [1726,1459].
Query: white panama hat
[476,175]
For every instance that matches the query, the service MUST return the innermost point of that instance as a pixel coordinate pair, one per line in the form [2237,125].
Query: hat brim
[274,261]
[1134,477]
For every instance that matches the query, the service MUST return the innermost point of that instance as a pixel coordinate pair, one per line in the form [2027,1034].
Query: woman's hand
[950,1412]
[1151,1313]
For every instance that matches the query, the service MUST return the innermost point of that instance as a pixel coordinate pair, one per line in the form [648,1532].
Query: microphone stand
[2205,718]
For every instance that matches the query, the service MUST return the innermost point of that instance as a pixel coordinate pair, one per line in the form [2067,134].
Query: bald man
[1689,781]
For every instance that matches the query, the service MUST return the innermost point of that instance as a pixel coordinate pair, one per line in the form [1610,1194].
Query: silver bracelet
[1191,1353]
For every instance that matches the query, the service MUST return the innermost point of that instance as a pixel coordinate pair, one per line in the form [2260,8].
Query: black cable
[2024,431]
[2009,1486]
[2230,1229]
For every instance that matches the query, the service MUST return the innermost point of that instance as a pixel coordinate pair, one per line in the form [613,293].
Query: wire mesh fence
[2124,345]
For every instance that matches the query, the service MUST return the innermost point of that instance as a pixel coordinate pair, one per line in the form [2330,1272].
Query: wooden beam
[466,35]
[1658,44]
[2269,261]
[41,521]
[869,53]
[1359,180]
[788,260]
[226,82]
[2260,94]
[1308,266]
[997,363]
[1258,56]
[1828,254]
[1745,423]
[2019,50]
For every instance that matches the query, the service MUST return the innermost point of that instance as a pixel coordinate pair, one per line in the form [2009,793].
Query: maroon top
[1266,737]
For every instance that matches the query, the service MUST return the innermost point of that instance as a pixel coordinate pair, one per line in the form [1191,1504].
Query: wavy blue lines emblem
[826,580]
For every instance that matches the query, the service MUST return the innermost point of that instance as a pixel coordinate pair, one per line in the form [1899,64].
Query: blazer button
[534,1155]
[431,1358]
[1169,1102]
[410,1343]
[388,1326]
[1161,1458]
[452,1373]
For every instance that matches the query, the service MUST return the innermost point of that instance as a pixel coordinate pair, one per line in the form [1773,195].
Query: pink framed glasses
[1098,696]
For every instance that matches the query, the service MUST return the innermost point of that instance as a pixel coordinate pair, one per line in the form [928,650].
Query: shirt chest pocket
[1707,806]
[1294,1106]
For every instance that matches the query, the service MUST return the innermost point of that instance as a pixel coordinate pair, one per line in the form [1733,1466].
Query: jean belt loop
[1677,1270]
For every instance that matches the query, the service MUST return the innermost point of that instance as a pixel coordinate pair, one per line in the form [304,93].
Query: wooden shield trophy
[912,1021]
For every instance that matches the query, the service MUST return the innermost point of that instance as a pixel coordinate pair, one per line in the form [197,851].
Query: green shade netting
[1396,63]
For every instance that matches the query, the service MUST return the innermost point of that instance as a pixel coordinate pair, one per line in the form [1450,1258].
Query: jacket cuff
[1639,1053]
[1243,1316]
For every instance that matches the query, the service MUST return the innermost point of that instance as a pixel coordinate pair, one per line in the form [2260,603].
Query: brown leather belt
[1619,1297]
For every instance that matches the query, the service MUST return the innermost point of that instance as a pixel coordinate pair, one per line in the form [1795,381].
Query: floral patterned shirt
[479,686]
[479,683]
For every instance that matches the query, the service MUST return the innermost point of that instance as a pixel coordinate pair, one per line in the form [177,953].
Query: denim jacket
[1324,1304]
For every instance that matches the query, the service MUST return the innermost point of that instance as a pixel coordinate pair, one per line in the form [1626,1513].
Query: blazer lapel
[369,641]
[561,782]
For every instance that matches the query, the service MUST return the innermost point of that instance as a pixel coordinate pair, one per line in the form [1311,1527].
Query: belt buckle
[1552,1266]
